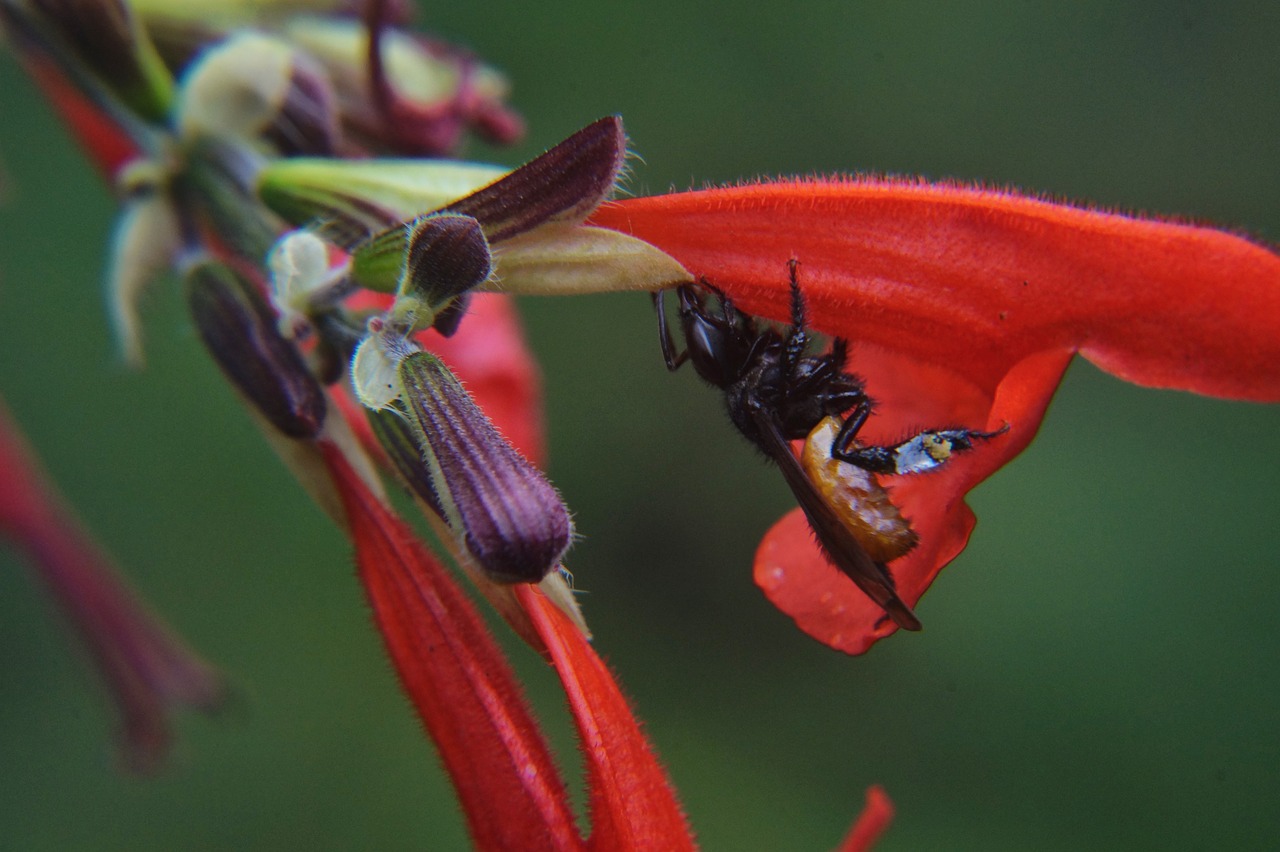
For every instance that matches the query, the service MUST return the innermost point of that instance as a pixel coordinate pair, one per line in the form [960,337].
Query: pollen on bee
[938,448]
[860,502]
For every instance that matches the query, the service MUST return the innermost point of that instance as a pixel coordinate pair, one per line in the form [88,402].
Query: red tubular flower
[964,306]
[473,708]
[459,682]
[147,668]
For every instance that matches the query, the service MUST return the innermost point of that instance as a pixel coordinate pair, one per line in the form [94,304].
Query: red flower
[964,307]
[473,708]
[147,668]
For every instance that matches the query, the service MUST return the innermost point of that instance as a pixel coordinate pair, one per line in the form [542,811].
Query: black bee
[775,393]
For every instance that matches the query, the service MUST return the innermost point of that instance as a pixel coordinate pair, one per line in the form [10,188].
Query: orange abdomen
[860,502]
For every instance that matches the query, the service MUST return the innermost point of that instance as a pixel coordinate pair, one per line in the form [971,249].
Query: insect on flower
[776,393]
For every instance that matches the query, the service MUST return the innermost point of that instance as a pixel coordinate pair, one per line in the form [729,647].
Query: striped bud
[508,516]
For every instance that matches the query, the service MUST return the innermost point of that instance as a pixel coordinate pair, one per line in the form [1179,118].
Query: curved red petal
[977,280]
[632,803]
[964,306]
[871,823]
[148,669]
[796,577]
[457,678]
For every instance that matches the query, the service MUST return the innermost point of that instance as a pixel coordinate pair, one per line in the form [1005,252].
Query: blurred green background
[1099,668]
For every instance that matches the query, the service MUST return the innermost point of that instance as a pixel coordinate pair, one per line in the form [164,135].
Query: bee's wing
[841,548]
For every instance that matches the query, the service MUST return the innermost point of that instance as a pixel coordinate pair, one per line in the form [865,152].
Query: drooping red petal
[459,681]
[795,575]
[148,668]
[964,306]
[871,823]
[633,806]
[976,280]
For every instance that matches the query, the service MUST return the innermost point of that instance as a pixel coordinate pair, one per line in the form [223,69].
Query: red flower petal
[963,306]
[632,803]
[459,681]
[872,822]
[148,669]
[976,280]
[795,575]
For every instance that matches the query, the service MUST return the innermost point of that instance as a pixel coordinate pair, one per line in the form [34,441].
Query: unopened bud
[240,330]
[431,259]
[257,87]
[509,517]
[566,184]
[425,95]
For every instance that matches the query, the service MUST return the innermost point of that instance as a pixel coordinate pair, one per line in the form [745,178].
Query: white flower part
[145,241]
[236,88]
[300,272]
[375,368]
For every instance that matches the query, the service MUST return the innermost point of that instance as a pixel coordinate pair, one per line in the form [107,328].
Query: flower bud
[431,259]
[396,437]
[240,331]
[565,184]
[508,516]
[257,87]
[426,94]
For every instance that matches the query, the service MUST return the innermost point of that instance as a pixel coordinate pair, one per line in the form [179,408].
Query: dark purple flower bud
[396,437]
[448,256]
[255,87]
[307,123]
[241,332]
[430,260]
[566,184]
[508,516]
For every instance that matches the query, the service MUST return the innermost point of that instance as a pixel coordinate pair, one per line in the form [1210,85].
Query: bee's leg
[669,355]
[926,451]
[797,338]
[842,446]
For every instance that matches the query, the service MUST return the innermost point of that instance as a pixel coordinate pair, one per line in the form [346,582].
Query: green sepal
[378,263]
[558,260]
[352,200]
